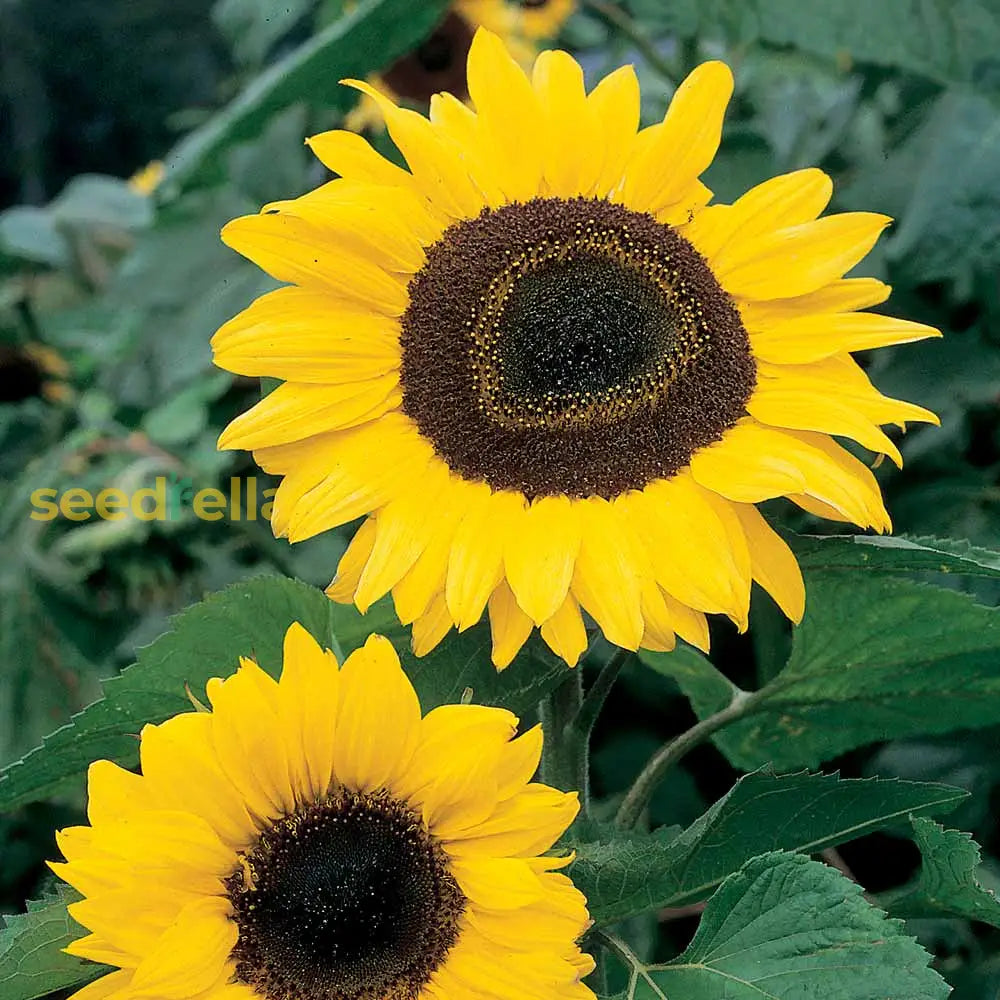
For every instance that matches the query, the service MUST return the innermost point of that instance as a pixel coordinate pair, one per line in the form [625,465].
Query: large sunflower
[314,838]
[553,376]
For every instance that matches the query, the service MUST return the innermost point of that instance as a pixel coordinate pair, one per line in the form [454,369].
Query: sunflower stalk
[593,701]
[638,797]
[565,759]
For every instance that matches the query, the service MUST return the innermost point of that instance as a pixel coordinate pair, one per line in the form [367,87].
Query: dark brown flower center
[348,899]
[571,346]
[439,64]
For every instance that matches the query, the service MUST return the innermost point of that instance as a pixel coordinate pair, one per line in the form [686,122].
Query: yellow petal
[570,125]
[437,170]
[658,633]
[811,338]
[615,101]
[352,157]
[308,699]
[458,124]
[688,545]
[690,625]
[753,463]
[179,765]
[105,987]
[774,565]
[190,956]
[244,723]
[843,378]
[683,146]
[605,578]
[352,564]
[400,536]
[778,404]
[475,566]
[509,625]
[431,627]
[842,295]
[378,721]
[296,411]
[112,792]
[380,224]
[519,762]
[306,335]
[786,200]
[369,466]
[798,259]
[541,553]
[497,883]
[564,633]
[523,825]
[481,729]
[298,252]
[510,116]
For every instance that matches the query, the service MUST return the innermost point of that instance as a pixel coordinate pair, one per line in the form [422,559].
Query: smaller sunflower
[316,838]
[32,370]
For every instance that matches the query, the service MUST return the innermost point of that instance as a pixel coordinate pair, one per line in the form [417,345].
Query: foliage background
[898,99]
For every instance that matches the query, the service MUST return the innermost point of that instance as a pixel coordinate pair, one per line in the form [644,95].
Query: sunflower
[555,378]
[314,838]
[438,65]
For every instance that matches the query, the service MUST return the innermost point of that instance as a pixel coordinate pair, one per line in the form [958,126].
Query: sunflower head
[553,374]
[316,838]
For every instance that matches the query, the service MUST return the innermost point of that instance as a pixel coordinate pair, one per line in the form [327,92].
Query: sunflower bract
[555,378]
[316,838]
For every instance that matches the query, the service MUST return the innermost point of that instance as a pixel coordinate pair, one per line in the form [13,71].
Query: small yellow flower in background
[554,376]
[147,180]
[315,838]
[439,64]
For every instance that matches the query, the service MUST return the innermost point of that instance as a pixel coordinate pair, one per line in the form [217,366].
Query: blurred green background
[109,295]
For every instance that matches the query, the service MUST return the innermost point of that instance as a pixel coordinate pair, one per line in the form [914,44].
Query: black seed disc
[439,64]
[349,899]
[570,347]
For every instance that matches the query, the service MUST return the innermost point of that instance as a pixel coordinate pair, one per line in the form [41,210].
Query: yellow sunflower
[438,64]
[314,838]
[552,375]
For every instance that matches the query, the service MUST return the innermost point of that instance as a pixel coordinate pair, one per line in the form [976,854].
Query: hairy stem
[670,753]
[597,693]
[564,761]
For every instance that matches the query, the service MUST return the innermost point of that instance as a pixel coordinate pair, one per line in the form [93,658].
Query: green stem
[660,763]
[617,18]
[598,692]
[564,762]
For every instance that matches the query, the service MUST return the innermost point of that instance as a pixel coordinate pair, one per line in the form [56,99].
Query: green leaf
[875,658]
[30,233]
[951,222]
[787,928]
[947,40]
[32,963]
[98,200]
[250,619]
[625,875]
[949,878]
[894,553]
[372,36]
